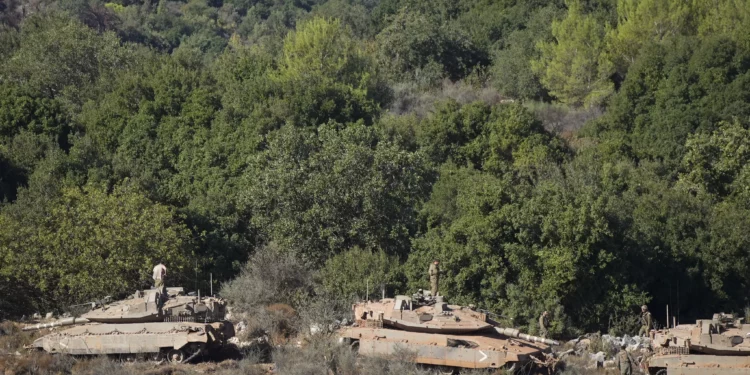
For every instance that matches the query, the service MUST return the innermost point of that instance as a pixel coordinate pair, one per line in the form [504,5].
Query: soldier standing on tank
[646,323]
[623,361]
[160,275]
[544,324]
[434,272]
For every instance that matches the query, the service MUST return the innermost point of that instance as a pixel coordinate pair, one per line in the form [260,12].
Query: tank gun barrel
[57,323]
[512,332]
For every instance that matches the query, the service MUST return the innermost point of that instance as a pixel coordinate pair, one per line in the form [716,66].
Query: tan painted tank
[720,345]
[450,337]
[173,326]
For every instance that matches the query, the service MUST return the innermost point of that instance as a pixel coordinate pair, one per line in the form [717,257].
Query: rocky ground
[599,350]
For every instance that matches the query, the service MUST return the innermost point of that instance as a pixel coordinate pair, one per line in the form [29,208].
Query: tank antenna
[211,276]
[367,298]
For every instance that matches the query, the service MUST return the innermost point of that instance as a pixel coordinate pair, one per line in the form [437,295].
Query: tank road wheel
[176,356]
[354,346]
[127,357]
[156,358]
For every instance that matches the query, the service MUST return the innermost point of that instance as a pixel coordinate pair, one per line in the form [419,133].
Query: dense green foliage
[89,243]
[356,140]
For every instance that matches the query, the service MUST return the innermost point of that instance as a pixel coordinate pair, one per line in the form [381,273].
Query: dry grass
[319,355]
[12,338]
[35,364]
[561,119]
[410,99]
[45,364]
[322,355]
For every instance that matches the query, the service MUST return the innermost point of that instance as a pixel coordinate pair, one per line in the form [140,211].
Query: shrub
[267,289]
[270,276]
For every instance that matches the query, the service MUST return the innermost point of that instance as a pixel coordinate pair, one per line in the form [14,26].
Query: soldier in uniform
[544,324]
[623,361]
[159,275]
[646,323]
[434,272]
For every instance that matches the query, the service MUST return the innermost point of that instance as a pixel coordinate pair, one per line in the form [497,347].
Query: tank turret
[168,325]
[721,343]
[722,334]
[149,306]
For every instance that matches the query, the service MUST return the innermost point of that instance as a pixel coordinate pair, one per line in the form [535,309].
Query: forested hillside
[579,156]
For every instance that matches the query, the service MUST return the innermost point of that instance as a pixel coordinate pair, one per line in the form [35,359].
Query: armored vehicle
[150,323]
[720,345]
[449,337]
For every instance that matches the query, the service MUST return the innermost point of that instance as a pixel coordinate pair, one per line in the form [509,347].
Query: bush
[269,286]
[12,338]
[323,315]
[270,276]
[624,325]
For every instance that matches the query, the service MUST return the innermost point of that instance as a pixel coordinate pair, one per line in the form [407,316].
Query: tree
[522,248]
[575,68]
[511,65]
[324,192]
[22,109]
[643,21]
[424,48]
[88,244]
[325,74]
[60,56]
[355,272]
[674,89]
[713,162]
[501,138]
[727,17]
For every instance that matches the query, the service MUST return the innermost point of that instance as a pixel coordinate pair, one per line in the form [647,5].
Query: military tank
[720,345]
[449,337]
[151,324]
